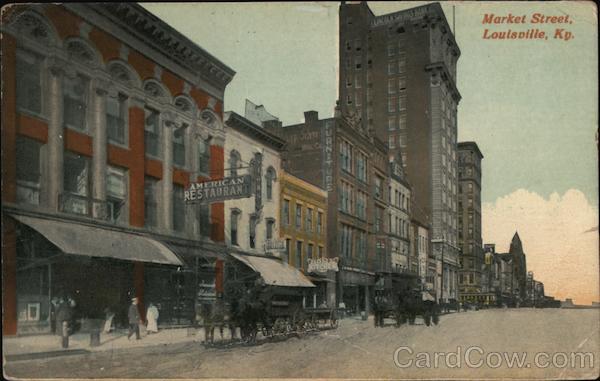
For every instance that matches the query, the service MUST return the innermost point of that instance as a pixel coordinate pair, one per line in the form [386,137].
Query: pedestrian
[134,319]
[152,319]
[109,315]
[64,315]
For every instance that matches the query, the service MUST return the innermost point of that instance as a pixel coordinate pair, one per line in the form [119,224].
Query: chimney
[311,117]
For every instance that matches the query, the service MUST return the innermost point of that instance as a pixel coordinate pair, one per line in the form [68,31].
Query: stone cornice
[445,75]
[429,13]
[140,24]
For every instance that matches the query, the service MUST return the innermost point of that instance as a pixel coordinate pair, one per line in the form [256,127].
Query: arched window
[234,163]
[270,177]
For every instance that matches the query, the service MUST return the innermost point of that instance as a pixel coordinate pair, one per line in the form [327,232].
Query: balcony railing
[86,206]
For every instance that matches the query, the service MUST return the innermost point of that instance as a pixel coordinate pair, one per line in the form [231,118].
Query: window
[29,82]
[150,202]
[151,133]
[309,254]
[378,220]
[320,252]
[285,213]
[288,248]
[358,62]
[233,226]
[402,83]
[252,232]
[116,119]
[179,147]
[391,50]
[357,82]
[270,177]
[234,162]
[402,122]
[204,220]
[391,67]
[270,227]
[346,156]
[391,142]
[76,183]
[116,190]
[391,86]
[392,104]
[319,222]
[178,208]
[298,216]
[75,96]
[28,170]
[361,205]
[298,259]
[203,157]
[361,166]
[309,220]
[402,102]
[378,187]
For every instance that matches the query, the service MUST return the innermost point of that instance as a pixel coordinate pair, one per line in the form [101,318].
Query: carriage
[399,296]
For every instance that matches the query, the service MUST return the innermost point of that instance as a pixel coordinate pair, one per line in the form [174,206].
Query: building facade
[398,73]
[351,165]
[402,253]
[252,222]
[303,216]
[102,128]
[469,221]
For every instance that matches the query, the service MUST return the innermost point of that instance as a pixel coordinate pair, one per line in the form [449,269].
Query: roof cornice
[154,32]
[445,75]
[246,127]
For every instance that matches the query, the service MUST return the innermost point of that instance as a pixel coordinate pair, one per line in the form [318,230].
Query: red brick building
[107,114]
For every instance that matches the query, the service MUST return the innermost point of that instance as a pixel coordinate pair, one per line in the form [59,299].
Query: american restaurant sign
[228,188]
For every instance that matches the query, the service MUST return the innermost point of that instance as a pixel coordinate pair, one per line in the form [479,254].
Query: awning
[91,241]
[275,272]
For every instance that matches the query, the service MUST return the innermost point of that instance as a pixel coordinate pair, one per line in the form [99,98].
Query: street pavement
[551,343]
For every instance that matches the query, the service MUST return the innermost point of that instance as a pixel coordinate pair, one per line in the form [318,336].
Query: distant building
[400,232]
[340,156]
[398,75]
[469,221]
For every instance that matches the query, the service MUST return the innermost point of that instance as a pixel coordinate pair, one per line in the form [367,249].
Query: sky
[531,106]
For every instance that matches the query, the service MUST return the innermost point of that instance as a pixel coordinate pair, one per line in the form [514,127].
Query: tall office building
[398,74]
[469,221]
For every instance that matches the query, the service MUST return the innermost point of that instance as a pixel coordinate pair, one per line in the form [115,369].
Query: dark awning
[92,241]
[274,272]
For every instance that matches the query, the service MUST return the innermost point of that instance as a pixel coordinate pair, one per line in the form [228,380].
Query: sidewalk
[42,346]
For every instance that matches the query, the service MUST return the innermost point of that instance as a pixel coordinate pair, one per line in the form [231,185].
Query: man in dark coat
[134,319]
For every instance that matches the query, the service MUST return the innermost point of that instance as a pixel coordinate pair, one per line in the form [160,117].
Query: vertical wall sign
[258,181]
[327,144]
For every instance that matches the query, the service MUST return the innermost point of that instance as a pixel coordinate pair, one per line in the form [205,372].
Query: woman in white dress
[152,318]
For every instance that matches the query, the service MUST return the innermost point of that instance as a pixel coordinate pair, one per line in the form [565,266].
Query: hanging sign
[228,188]
[322,265]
